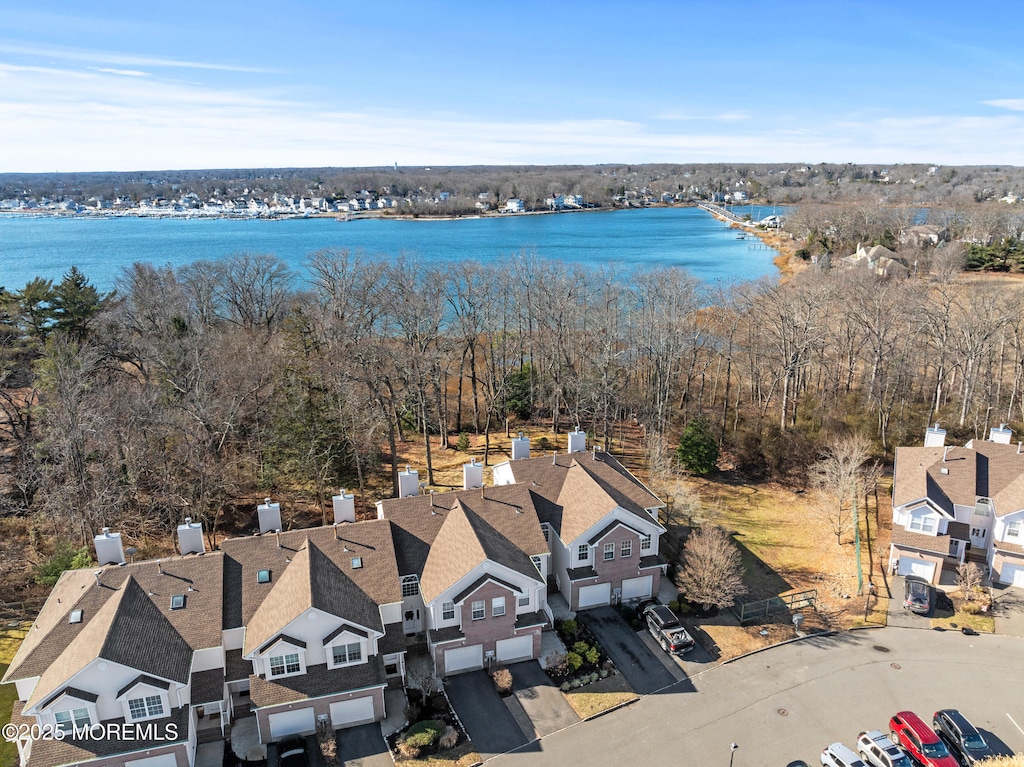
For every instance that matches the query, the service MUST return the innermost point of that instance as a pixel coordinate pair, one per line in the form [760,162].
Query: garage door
[637,588]
[463,659]
[345,713]
[292,723]
[918,567]
[517,648]
[1012,574]
[164,760]
[595,596]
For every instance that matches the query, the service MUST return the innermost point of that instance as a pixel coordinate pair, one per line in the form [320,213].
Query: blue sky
[217,84]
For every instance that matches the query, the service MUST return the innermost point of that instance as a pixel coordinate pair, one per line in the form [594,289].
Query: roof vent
[944,470]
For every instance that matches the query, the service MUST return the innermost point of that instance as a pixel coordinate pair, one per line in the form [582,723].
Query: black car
[291,752]
[961,736]
[917,595]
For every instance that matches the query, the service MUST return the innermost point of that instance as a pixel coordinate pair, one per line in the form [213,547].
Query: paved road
[485,716]
[790,701]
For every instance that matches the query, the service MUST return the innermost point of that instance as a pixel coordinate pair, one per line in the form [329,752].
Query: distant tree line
[185,389]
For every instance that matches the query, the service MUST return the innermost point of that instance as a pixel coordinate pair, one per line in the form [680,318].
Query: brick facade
[619,568]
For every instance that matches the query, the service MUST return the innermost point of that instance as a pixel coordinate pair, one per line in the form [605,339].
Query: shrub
[573,661]
[580,648]
[593,677]
[604,673]
[65,557]
[449,738]
[463,444]
[673,606]
[408,750]
[682,608]
[565,687]
[593,655]
[412,712]
[570,628]
[971,608]
[423,733]
[503,680]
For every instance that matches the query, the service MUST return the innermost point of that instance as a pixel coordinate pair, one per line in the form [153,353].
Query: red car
[919,740]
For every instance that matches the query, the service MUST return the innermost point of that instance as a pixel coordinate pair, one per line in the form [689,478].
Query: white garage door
[517,648]
[637,588]
[164,760]
[463,659]
[292,723]
[918,567]
[1012,574]
[594,596]
[345,713]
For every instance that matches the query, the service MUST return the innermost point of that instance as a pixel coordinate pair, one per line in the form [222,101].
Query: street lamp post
[732,752]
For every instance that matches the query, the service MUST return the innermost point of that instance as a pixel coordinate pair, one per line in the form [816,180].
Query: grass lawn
[983,623]
[600,696]
[461,756]
[10,640]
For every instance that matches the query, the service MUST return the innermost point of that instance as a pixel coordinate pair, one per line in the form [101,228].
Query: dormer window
[146,707]
[75,719]
[410,585]
[923,523]
[1013,529]
[347,654]
[263,576]
[284,665]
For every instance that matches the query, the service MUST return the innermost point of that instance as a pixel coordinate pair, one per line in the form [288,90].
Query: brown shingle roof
[207,686]
[317,682]
[128,629]
[937,544]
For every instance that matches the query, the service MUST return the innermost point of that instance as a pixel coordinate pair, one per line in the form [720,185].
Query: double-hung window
[923,523]
[626,549]
[583,552]
[1013,529]
[479,608]
[76,718]
[645,543]
[497,607]
[281,665]
[145,708]
[609,551]
[346,654]
[447,611]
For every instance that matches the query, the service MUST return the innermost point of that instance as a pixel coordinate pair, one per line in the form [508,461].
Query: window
[357,563]
[263,576]
[447,611]
[524,600]
[479,610]
[609,551]
[497,607]
[626,550]
[410,585]
[645,543]
[144,708]
[923,523]
[76,718]
[583,553]
[345,654]
[1013,529]
[285,664]
[538,564]
[177,601]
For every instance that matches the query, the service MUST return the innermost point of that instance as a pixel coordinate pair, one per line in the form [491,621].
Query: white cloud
[121,72]
[123,59]
[1016,105]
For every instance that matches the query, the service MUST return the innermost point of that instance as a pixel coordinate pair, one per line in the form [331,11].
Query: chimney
[269,516]
[344,507]
[577,441]
[1001,435]
[934,436]
[109,550]
[190,537]
[408,482]
[520,447]
[472,475]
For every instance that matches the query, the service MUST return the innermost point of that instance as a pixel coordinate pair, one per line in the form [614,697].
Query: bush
[971,608]
[593,655]
[449,738]
[502,680]
[407,750]
[423,734]
[580,648]
[573,661]
[463,444]
[565,687]
[412,712]
[673,606]
[604,673]
[65,557]
[569,628]
[628,613]
[593,677]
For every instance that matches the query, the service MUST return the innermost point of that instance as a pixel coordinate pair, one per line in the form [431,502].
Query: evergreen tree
[75,301]
[698,450]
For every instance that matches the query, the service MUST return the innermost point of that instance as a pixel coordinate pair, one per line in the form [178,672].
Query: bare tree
[968,578]
[712,572]
[837,475]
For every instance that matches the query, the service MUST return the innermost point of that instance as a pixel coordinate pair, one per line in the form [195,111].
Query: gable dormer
[281,657]
[145,697]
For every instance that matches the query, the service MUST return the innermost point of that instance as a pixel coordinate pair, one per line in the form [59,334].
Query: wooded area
[183,391]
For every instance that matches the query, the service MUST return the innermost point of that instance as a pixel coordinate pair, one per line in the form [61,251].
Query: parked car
[961,736]
[878,751]
[917,595]
[667,630]
[291,752]
[909,731]
[838,755]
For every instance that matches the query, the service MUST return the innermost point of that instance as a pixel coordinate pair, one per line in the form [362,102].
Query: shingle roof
[128,629]
[937,544]
[317,682]
[311,579]
[206,686]
[986,469]
[144,679]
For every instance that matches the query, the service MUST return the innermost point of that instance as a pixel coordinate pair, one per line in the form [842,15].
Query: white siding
[204,660]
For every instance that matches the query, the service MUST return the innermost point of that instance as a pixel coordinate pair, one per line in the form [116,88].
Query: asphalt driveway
[1008,609]
[541,700]
[901,617]
[488,721]
[642,668]
[363,746]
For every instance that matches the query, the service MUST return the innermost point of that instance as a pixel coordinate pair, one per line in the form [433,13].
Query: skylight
[177,601]
[357,562]
[263,576]
[75,617]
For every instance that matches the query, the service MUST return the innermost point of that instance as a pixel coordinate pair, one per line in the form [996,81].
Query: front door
[413,623]
[979,538]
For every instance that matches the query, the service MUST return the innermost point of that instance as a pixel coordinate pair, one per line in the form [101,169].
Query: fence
[762,608]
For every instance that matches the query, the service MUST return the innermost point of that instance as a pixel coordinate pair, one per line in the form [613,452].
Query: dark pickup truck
[667,630]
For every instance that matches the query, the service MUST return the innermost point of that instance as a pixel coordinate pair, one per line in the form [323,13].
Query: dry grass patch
[982,622]
[461,756]
[600,696]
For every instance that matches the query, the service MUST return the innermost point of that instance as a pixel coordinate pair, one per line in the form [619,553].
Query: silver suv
[877,750]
